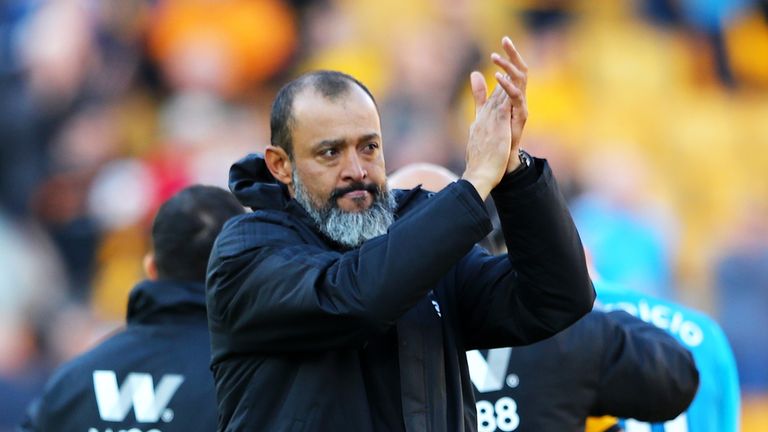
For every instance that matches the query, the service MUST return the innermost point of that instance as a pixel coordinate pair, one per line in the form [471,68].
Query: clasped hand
[494,137]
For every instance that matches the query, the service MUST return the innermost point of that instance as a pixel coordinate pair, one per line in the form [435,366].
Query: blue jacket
[715,408]
[289,311]
[152,375]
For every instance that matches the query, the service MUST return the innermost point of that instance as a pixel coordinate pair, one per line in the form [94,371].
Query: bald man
[430,176]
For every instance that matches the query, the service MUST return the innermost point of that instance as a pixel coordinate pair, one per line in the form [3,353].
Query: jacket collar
[254,186]
[174,302]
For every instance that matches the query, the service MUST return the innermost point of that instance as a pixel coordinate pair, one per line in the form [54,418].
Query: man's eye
[329,152]
[370,147]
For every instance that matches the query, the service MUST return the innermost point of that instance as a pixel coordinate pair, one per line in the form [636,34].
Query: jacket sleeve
[541,286]
[645,373]
[269,291]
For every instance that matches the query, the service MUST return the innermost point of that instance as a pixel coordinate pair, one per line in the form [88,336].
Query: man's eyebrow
[329,143]
[368,137]
[337,142]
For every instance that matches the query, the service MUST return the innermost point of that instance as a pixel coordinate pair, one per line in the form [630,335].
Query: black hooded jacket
[607,363]
[292,316]
[153,375]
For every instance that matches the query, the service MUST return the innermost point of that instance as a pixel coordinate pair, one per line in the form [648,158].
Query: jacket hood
[166,301]
[254,186]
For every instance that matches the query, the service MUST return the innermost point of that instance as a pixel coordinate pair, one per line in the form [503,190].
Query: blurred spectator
[630,241]
[29,283]
[417,111]
[57,49]
[82,144]
[742,295]
[221,46]
[707,22]
[22,159]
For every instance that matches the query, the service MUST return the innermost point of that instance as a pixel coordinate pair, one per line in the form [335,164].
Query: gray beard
[349,229]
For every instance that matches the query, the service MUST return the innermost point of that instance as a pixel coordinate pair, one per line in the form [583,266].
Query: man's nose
[353,169]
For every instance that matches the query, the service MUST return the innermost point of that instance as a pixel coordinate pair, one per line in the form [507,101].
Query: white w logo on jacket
[138,390]
[489,375]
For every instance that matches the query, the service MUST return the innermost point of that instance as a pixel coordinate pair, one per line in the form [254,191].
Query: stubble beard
[349,229]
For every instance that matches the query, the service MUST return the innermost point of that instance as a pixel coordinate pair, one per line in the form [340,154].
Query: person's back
[154,374]
[716,405]
[605,364]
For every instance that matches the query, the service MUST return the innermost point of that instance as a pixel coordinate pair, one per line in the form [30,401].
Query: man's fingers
[479,89]
[514,92]
[514,56]
[515,74]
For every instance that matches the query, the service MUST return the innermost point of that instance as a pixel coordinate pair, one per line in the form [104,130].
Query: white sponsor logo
[491,374]
[149,403]
[664,318]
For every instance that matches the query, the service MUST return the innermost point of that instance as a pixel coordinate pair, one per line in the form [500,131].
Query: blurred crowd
[652,113]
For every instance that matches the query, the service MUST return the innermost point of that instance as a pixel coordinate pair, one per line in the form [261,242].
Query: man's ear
[150,267]
[279,164]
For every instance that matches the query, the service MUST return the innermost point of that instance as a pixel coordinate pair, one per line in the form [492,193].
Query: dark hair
[185,228]
[330,84]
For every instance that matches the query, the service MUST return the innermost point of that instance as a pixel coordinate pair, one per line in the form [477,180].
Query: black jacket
[289,312]
[605,364]
[152,375]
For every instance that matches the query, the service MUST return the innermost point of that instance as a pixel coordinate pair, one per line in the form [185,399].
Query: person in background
[716,406]
[607,364]
[154,374]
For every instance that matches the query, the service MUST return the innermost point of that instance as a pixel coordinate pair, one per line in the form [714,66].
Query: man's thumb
[479,89]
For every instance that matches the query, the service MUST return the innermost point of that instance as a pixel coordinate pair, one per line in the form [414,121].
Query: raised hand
[513,81]
[488,149]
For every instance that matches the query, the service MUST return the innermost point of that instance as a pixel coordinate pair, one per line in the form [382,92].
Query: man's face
[337,149]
